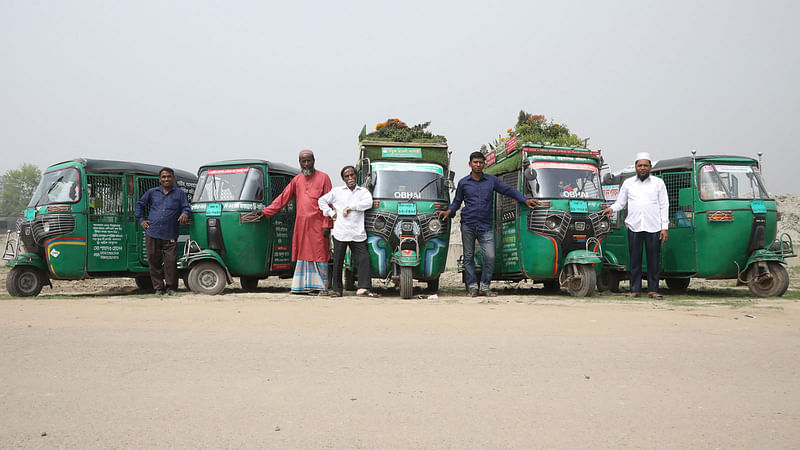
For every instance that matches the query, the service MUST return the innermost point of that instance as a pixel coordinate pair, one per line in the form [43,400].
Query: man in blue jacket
[169,207]
[476,191]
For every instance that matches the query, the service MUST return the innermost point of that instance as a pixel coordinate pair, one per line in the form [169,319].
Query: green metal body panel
[698,247]
[522,252]
[383,248]
[93,233]
[249,247]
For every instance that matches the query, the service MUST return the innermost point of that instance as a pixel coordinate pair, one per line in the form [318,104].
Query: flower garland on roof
[395,130]
[536,129]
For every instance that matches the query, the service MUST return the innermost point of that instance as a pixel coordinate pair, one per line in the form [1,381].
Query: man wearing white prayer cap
[647,222]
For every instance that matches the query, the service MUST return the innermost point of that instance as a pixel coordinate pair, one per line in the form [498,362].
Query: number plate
[213,209]
[578,206]
[407,209]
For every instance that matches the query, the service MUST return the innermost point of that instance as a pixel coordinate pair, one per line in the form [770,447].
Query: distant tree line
[18,188]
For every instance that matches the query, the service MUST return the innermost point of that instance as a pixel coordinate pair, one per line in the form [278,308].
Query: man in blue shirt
[476,191]
[169,206]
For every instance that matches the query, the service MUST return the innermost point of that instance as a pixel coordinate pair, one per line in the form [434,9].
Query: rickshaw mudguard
[763,255]
[582,257]
[610,261]
[28,259]
[405,258]
[186,261]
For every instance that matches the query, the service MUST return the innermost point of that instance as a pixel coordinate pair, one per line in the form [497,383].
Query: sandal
[368,294]
[633,294]
[472,293]
[488,293]
[655,295]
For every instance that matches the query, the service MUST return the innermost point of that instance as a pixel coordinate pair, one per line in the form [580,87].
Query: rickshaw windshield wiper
[213,188]
[429,183]
[49,190]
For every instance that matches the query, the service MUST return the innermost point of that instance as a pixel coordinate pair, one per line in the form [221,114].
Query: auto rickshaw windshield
[560,180]
[230,184]
[729,181]
[58,186]
[397,184]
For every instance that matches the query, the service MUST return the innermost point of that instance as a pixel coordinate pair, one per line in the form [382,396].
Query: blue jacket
[164,211]
[477,198]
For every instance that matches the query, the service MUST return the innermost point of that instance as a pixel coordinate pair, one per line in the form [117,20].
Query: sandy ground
[99,366]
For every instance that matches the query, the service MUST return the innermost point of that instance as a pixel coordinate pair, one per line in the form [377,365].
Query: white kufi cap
[642,155]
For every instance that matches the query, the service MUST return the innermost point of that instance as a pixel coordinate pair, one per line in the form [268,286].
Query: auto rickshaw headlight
[551,223]
[434,225]
[379,224]
[603,226]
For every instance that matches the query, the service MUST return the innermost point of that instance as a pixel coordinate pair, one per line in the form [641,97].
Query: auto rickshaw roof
[687,162]
[117,167]
[273,166]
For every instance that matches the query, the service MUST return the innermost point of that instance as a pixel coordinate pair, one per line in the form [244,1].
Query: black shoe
[170,292]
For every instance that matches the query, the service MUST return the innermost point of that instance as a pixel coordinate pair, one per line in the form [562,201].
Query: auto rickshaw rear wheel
[349,280]
[551,287]
[608,281]
[207,278]
[406,282]
[678,284]
[583,281]
[144,283]
[770,286]
[24,281]
[249,284]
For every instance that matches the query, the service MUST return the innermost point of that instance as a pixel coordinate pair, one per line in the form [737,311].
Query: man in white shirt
[349,203]
[647,222]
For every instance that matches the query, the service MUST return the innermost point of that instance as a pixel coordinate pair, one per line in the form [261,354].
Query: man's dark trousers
[169,273]
[652,246]
[359,253]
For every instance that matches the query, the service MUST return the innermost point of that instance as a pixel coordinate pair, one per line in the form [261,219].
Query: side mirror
[685,197]
[530,174]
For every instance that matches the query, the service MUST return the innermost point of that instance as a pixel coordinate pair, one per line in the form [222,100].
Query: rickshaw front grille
[372,216]
[427,234]
[537,222]
[595,219]
[49,225]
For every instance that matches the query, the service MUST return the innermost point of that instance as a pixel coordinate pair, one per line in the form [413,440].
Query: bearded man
[647,222]
[311,239]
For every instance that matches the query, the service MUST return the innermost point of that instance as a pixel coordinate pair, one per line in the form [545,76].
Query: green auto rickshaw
[80,224]
[409,182]
[557,243]
[229,236]
[722,225]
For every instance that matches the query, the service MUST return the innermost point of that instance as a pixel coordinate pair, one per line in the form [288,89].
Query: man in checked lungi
[311,240]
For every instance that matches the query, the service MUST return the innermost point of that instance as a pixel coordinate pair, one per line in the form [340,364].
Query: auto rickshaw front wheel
[207,278]
[24,281]
[582,280]
[772,283]
[406,282]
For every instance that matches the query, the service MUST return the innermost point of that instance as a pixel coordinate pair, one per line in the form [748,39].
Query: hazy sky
[183,83]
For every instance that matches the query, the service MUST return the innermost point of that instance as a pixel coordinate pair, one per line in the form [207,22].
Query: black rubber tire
[608,281]
[551,287]
[249,284]
[207,278]
[406,282]
[774,287]
[144,283]
[585,286]
[24,281]
[678,284]
[349,280]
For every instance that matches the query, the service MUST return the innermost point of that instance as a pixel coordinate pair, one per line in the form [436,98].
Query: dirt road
[271,370]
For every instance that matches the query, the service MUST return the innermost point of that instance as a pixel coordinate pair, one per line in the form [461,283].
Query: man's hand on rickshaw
[443,215]
[606,212]
[532,203]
